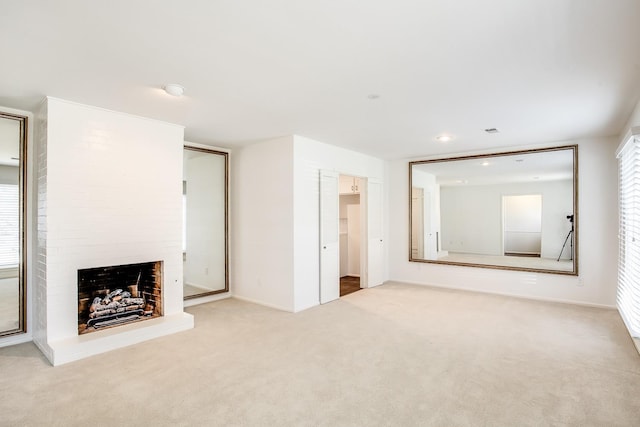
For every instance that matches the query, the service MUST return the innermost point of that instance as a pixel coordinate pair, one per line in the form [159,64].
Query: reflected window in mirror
[205,222]
[12,215]
[514,210]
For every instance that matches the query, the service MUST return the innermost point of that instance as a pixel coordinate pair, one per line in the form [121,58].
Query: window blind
[9,225]
[628,296]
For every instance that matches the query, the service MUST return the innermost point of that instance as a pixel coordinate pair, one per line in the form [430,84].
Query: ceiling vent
[491,130]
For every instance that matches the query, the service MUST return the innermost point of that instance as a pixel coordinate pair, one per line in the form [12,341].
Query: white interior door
[417,223]
[375,253]
[329,237]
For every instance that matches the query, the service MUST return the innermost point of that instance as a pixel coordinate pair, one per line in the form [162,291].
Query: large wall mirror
[13,134]
[514,210]
[205,186]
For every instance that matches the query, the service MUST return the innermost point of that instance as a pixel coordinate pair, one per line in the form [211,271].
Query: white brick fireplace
[109,190]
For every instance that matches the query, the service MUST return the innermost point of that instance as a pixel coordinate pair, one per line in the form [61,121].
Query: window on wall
[9,226]
[628,297]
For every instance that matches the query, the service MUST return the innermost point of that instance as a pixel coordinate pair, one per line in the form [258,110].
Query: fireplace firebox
[116,295]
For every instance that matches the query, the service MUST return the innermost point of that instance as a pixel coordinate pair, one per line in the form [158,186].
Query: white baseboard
[207,298]
[254,301]
[507,294]
[15,339]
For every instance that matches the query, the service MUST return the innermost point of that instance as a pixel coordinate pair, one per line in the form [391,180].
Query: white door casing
[375,244]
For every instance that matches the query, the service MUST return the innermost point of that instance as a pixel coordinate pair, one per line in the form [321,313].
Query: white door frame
[367,236]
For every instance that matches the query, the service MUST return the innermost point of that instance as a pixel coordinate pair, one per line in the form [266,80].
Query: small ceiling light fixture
[485,163]
[491,130]
[373,96]
[174,89]
[444,138]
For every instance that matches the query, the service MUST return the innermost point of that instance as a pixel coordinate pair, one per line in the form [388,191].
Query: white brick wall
[111,194]
[39,282]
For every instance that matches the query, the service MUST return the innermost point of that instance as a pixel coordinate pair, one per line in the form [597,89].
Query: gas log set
[116,307]
[114,295]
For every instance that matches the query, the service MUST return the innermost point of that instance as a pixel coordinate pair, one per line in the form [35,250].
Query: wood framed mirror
[205,196]
[13,143]
[515,210]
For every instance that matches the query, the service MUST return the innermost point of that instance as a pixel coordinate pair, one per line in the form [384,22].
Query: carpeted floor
[190,290]
[395,355]
[9,304]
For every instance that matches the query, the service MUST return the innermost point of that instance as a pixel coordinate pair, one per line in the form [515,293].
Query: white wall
[597,200]
[277,220]
[262,216]
[9,174]
[633,121]
[472,216]
[345,255]
[110,193]
[309,158]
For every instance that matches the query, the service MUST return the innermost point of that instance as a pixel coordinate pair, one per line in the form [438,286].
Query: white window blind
[628,297]
[9,225]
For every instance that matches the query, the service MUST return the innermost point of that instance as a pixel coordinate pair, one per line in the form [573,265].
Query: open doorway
[350,236]
[522,220]
[371,252]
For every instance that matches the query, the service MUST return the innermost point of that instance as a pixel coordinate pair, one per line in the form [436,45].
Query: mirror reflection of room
[10,247]
[350,222]
[204,249]
[505,210]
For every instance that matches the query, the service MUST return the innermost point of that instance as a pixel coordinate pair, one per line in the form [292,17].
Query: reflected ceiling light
[174,89]
[444,138]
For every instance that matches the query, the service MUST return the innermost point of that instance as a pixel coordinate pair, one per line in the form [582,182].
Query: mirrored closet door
[12,239]
[205,228]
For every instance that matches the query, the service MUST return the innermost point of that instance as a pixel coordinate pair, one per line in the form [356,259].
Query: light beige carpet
[396,355]
[9,304]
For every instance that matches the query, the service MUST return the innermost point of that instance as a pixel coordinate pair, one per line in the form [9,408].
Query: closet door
[329,237]
[375,244]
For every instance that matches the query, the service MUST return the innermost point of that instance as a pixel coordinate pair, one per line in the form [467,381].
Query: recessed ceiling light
[373,96]
[174,89]
[491,130]
[444,138]
[485,163]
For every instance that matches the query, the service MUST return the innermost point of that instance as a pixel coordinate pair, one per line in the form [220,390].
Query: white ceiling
[525,167]
[539,70]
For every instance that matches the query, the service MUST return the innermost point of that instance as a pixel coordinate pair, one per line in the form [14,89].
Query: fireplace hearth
[116,295]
